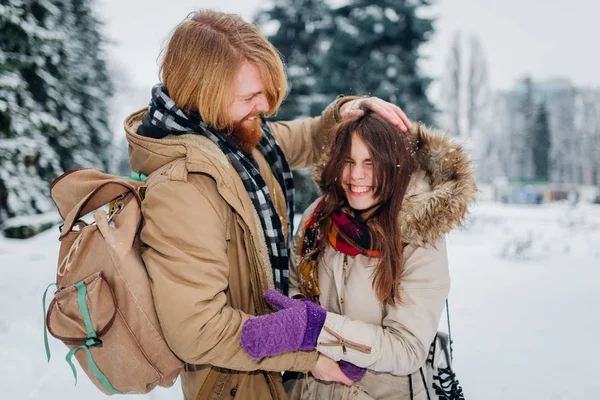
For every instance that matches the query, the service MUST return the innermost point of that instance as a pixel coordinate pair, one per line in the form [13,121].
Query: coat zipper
[344,343]
[345,268]
[228,223]
[260,306]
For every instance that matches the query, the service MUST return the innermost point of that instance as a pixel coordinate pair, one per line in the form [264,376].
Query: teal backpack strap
[97,373]
[91,341]
[45,322]
[135,176]
[138,176]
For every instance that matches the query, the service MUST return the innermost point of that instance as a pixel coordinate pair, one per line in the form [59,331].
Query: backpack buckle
[93,342]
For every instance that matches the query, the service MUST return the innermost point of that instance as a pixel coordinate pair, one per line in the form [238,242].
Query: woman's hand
[387,110]
[328,370]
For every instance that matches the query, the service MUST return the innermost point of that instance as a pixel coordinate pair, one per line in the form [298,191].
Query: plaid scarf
[165,118]
[350,235]
[345,233]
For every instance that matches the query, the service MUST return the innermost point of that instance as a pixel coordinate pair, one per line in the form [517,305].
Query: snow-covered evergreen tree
[53,97]
[300,30]
[88,85]
[375,51]
[29,35]
[363,47]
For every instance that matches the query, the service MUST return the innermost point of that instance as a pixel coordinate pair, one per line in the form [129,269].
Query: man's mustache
[251,115]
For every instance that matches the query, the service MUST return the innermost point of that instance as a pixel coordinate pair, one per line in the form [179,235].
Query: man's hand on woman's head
[389,111]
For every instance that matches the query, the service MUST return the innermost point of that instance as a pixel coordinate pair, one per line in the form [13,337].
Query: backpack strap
[92,341]
[449,330]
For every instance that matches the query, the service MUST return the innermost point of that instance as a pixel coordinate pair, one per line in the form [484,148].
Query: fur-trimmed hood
[439,194]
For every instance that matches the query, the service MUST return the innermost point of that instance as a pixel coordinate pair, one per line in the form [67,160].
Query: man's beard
[247,135]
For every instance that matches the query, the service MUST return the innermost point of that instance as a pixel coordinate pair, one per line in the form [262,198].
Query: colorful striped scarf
[346,233]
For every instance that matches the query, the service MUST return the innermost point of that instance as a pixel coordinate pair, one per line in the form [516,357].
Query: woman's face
[357,176]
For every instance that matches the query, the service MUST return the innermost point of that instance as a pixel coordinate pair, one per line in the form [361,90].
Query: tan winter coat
[205,253]
[393,343]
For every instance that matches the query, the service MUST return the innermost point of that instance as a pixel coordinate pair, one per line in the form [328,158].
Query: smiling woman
[372,172]
[357,176]
[371,252]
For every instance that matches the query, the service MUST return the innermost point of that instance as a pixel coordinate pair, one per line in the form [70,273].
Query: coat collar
[200,155]
[440,194]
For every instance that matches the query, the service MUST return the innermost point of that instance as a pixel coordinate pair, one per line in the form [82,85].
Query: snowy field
[524,301]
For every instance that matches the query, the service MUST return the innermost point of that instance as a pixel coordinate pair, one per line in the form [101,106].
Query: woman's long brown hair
[394,161]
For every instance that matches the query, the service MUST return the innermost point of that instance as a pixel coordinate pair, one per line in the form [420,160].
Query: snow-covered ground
[524,300]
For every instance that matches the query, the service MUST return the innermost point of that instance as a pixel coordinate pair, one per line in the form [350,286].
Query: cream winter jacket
[393,343]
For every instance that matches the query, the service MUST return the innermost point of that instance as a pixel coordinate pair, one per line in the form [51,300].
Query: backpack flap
[82,311]
[73,186]
[100,195]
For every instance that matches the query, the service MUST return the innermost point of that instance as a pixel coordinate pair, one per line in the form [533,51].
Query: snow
[37,219]
[270,28]
[391,14]
[347,28]
[524,328]
[523,324]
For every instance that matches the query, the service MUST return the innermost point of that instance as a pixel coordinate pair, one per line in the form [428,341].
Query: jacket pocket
[385,386]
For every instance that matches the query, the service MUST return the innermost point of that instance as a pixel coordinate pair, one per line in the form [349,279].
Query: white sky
[546,39]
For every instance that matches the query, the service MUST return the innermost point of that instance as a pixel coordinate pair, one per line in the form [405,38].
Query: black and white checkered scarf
[165,118]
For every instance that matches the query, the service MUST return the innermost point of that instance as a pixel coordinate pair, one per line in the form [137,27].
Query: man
[218,209]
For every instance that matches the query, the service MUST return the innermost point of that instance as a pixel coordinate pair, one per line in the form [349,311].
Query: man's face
[249,99]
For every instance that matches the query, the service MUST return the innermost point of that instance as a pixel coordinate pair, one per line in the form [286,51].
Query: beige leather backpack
[103,308]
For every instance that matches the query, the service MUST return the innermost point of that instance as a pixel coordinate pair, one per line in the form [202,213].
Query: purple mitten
[276,333]
[296,326]
[316,315]
[352,371]
[316,320]
[280,301]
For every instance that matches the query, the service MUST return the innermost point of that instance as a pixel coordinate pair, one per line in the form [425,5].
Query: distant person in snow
[218,211]
[371,252]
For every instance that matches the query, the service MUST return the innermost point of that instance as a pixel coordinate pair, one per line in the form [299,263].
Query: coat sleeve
[185,254]
[303,141]
[401,344]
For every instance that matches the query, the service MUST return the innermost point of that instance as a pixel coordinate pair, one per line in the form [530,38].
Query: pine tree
[89,85]
[524,140]
[541,144]
[29,35]
[375,50]
[86,89]
[53,99]
[364,47]
[299,30]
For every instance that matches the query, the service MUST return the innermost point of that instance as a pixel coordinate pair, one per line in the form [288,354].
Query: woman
[371,252]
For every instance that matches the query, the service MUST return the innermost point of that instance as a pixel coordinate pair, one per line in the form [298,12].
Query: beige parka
[206,256]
